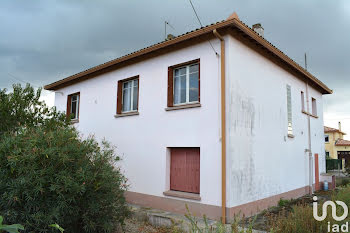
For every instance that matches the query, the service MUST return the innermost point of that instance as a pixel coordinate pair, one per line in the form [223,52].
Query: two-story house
[335,145]
[193,118]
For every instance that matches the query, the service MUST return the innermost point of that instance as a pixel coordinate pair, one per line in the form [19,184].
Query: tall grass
[217,227]
[301,220]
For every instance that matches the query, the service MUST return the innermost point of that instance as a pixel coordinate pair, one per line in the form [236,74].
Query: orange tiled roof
[332,130]
[342,142]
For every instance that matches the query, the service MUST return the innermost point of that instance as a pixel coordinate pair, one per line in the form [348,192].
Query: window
[73,102]
[327,154]
[326,138]
[183,83]
[302,102]
[314,106]
[289,110]
[128,95]
[185,169]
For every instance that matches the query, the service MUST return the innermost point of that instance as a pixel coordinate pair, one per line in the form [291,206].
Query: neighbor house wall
[262,161]
[330,146]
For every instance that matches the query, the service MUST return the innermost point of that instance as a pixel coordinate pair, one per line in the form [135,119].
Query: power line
[20,80]
[200,23]
[196,14]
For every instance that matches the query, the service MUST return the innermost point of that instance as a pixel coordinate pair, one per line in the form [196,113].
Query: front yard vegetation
[49,174]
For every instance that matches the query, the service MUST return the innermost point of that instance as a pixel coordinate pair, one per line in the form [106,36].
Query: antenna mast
[305,62]
[166,23]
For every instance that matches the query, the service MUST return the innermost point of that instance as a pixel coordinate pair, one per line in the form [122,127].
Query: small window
[289,110]
[326,138]
[327,154]
[73,102]
[314,106]
[302,101]
[183,84]
[128,95]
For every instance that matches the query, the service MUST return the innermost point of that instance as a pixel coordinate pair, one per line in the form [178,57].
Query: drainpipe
[309,139]
[223,128]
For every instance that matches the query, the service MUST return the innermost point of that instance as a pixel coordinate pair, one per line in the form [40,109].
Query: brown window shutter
[170,87]
[185,170]
[69,101]
[119,97]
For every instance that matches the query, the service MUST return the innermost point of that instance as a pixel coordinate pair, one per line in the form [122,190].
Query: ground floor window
[185,169]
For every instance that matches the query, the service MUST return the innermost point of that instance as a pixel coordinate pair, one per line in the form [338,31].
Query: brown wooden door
[185,170]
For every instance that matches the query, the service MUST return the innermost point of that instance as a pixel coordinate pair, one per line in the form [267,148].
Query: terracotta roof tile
[332,130]
[342,142]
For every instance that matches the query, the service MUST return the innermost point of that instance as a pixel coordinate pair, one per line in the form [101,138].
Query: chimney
[339,126]
[258,29]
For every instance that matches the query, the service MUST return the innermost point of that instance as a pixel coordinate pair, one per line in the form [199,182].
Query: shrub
[23,109]
[48,174]
[284,202]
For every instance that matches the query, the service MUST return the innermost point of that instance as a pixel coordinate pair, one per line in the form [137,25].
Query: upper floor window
[302,101]
[183,83]
[73,102]
[289,110]
[314,106]
[128,95]
[326,138]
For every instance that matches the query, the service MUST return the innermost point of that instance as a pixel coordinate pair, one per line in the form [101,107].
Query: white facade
[262,160]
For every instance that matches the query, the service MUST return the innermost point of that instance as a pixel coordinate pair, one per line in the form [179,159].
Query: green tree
[49,174]
[23,108]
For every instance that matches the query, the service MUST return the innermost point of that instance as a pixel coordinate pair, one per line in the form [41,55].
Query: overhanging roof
[230,22]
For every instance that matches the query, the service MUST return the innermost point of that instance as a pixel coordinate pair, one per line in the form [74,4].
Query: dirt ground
[134,226]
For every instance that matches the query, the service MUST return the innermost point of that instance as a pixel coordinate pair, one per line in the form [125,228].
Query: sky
[42,41]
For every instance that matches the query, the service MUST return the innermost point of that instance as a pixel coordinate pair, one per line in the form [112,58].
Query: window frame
[171,83]
[327,156]
[326,135]
[289,110]
[120,96]
[302,96]
[313,106]
[69,106]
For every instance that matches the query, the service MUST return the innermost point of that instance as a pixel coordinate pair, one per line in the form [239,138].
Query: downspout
[223,128]
[309,139]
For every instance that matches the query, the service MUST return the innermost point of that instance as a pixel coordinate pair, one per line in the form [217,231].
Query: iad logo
[332,227]
[334,210]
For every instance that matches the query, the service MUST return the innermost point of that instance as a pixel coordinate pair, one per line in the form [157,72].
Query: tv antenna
[166,23]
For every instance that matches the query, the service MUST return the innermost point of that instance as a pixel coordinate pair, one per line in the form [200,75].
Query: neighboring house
[222,126]
[335,145]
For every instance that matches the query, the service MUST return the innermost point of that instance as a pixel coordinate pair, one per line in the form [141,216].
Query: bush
[284,202]
[48,174]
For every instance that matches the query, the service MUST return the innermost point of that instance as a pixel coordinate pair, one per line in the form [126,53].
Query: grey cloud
[42,41]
